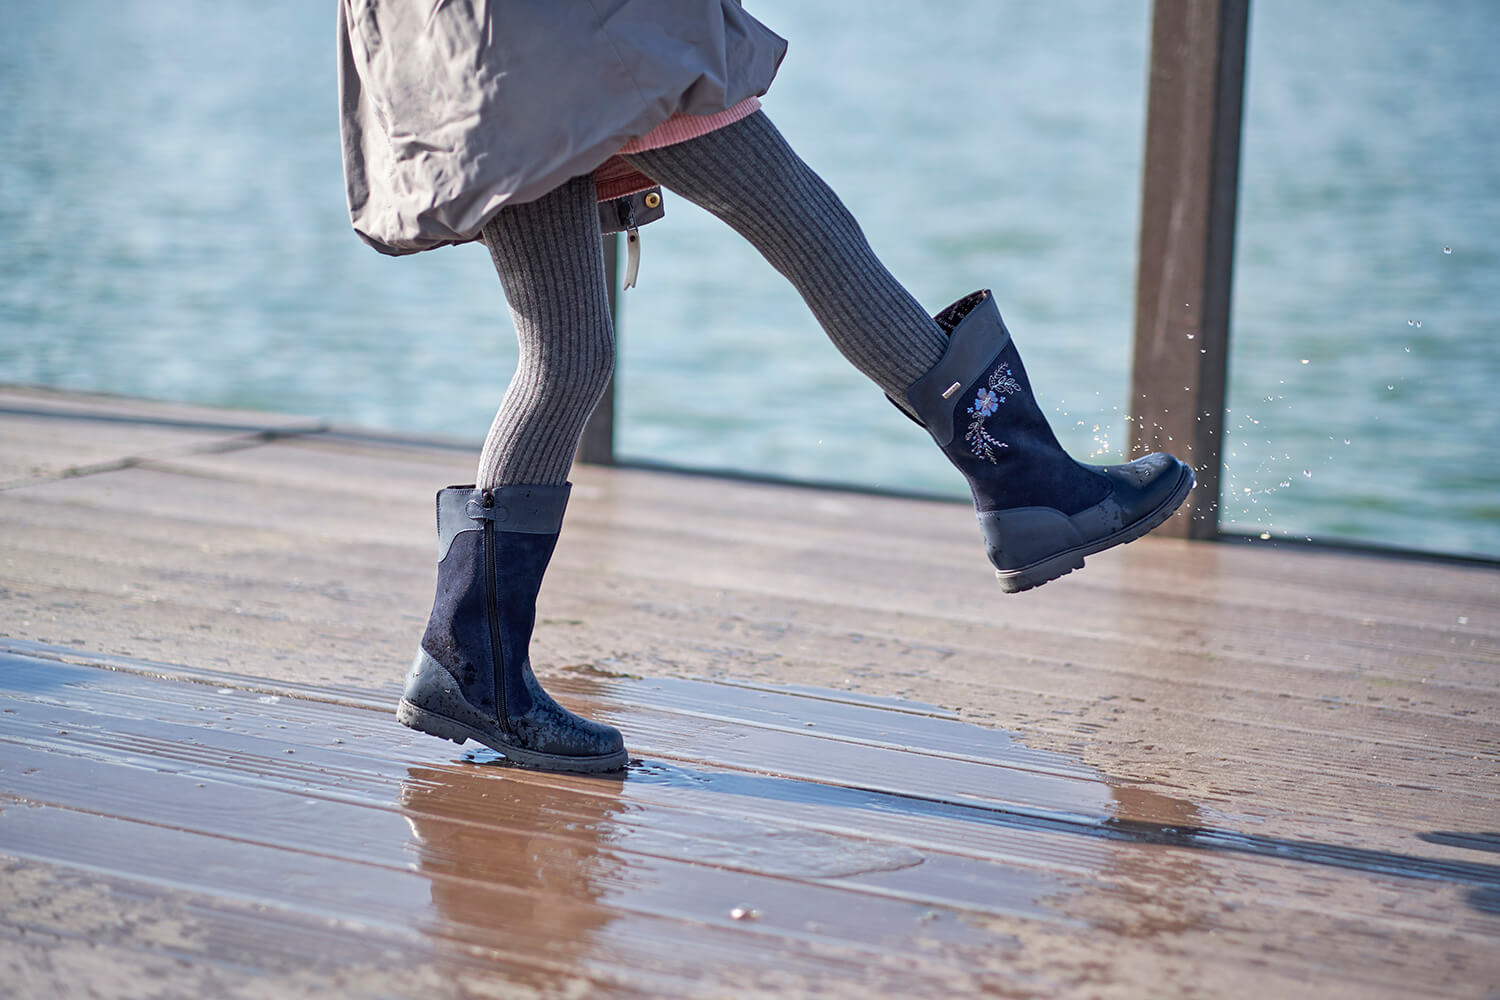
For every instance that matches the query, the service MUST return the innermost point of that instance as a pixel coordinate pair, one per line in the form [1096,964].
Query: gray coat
[449,109]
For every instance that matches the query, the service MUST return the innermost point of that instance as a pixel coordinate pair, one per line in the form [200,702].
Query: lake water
[173,226]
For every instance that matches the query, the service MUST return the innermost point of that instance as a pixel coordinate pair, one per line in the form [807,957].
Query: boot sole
[1014,581]
[441,726]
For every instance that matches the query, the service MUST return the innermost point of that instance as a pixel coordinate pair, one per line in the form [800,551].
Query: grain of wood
[1289,696]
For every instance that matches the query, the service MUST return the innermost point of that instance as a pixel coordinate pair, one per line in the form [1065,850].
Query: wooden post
[598,443]
[1192,158]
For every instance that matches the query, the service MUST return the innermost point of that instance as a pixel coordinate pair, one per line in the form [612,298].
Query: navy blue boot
[1039,510]
[472,677]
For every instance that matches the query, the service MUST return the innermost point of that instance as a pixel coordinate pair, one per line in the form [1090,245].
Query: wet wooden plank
[798,567]
[65,931]
[1334,712]
[654,592]
[191,788]
[1266,747]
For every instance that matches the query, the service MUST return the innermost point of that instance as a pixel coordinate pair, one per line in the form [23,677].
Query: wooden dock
[1191,769]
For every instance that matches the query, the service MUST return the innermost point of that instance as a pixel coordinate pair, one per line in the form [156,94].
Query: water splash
[1269,471]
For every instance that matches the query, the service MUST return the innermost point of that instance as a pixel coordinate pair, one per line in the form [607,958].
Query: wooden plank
[939,533]
[68,932]
[1290,761]
[1345,640]
[810,578]
[192,790]
[1190,191]
[1334,712]
[646,619]
[46,434]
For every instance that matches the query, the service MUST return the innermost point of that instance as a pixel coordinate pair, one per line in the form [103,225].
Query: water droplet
[1447,249]
[1265,536]
[1391,387]
[1406,349]
[1463,619]
[1419,324]
[1307,473]
[1306,361]
[744,913]
[1191,336]
[1411,322]
[1346,440]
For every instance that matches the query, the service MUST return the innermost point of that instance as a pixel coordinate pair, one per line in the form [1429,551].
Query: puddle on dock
[757,828]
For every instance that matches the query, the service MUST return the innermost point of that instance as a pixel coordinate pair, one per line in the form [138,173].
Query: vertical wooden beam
[598,443]
[1192,158]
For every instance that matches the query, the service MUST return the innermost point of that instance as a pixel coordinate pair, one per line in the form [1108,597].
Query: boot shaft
[1039,510]
[978,405]
[493,550]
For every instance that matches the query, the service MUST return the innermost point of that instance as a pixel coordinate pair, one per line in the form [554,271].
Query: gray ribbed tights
[547,253]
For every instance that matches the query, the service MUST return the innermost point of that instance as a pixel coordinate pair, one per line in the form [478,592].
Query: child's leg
[547,253]
[748,176]
[1040,512]
[472,677]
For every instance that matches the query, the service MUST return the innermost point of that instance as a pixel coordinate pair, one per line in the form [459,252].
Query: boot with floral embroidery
[472,678]
[1039,510]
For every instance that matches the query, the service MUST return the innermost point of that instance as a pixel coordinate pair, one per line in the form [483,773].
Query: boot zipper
[492,610]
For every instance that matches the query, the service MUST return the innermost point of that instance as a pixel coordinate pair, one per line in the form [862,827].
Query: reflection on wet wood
[838,869]
[1202,769]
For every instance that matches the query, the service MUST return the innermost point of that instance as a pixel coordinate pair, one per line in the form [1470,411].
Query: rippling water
[173,221]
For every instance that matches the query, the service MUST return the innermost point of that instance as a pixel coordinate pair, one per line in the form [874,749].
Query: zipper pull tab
[632,256]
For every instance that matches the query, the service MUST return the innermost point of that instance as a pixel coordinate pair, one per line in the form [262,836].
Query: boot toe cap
[1143,486]
[1029,546]
[558,732]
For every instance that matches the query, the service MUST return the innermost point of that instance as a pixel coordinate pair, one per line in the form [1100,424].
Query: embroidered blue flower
[987,402]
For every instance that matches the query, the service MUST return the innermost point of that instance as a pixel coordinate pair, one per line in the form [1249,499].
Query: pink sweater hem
[681,128]
[617,179]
